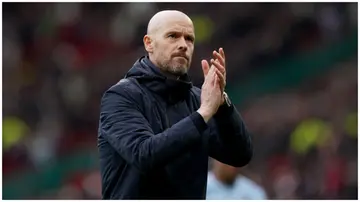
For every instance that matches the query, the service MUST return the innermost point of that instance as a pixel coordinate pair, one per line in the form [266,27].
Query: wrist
[223,101]
[205,114]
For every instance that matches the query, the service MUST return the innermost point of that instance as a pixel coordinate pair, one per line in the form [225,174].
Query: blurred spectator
[225,183]
[14,132]
[58,58]
[309,133]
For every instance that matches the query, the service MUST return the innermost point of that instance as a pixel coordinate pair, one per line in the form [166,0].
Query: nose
[182,45]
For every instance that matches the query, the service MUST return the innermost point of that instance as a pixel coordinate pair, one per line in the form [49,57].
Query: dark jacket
[154,145]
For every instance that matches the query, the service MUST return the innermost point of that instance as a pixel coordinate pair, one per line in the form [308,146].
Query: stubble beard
[174,68]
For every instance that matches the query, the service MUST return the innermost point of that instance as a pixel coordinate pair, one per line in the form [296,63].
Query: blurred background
[291,71]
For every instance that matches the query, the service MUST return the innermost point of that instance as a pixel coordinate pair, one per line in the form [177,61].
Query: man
[156,130]
[225,183]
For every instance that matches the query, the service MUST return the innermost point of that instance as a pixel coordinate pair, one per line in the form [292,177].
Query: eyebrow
[192,35]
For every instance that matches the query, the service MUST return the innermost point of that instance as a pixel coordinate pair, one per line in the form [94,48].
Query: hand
[211,95]
[219,63]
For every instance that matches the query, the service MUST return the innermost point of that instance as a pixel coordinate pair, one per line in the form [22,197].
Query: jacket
[154,145]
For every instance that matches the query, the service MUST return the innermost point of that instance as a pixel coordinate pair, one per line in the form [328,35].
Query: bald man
[157,130]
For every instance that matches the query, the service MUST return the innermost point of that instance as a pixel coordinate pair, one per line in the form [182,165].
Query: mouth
[180,56]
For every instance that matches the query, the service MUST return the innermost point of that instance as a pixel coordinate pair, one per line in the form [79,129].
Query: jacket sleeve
[123,125]
[230,142]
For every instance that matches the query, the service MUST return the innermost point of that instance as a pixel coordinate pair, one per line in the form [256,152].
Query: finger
[218,65]
[221,76]
[223,73]
[219,57]
[221,79]
[216,80]
[211,74]
[205,67]
[213,78]
[222,53]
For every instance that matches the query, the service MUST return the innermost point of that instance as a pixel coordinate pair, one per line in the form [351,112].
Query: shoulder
[252,187]
[211,180]
[214,190]
[210,176]
[125,85]
[124,91]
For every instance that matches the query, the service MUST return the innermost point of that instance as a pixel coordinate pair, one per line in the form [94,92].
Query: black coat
[154,145]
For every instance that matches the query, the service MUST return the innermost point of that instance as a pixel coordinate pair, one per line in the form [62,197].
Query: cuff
[225,110]
[199,122]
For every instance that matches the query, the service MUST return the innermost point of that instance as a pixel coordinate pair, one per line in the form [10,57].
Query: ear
[148,44]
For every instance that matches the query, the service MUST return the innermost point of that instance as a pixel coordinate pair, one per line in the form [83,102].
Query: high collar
[150,75]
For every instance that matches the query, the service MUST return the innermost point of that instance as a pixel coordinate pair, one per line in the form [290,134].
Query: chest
[228,193]
[162,114]
[190,168]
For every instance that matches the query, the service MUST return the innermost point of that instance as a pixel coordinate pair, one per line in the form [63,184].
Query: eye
[189,38]
[172,36]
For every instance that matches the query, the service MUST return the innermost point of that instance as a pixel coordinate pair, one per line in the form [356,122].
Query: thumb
[205,67]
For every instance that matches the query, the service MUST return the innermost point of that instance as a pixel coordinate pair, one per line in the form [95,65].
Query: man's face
[173,46]
[228,173]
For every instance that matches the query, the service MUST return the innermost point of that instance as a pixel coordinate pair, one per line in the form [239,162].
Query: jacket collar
[150,75]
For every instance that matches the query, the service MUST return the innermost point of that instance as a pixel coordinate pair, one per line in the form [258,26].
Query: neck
[169,75]
[153,61]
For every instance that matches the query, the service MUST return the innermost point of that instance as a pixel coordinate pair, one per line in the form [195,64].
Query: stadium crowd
[58,59]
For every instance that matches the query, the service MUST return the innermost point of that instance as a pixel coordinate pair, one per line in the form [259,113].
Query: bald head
[225,173]
[170,41]
[164,17]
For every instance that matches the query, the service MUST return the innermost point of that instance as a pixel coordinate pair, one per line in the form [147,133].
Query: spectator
[225,183]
